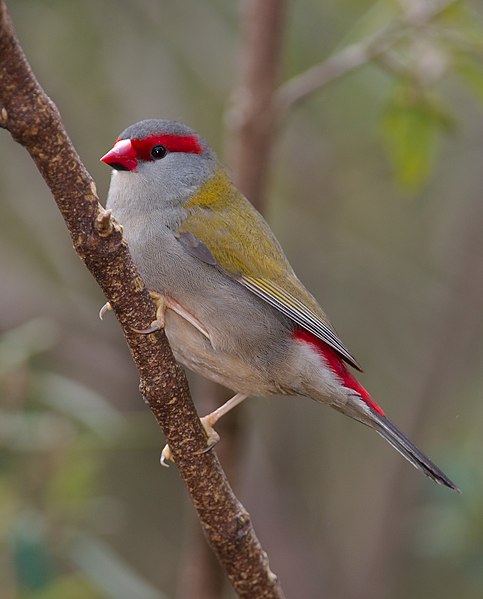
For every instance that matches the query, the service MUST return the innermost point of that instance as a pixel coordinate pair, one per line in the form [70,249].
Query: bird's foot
[164,303]
[212,438]
[161,307]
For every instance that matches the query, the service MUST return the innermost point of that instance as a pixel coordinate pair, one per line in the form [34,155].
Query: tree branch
[300,87]
[33,121]
[250,119]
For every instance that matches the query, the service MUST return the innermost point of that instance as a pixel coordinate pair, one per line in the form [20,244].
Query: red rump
[335,363]
[173,143]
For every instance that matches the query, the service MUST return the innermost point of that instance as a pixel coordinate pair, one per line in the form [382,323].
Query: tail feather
[407,449]
[362,407]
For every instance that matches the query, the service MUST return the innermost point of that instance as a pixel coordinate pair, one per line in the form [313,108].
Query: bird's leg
[164,303]
[208,422]
[180,311]
[211,419]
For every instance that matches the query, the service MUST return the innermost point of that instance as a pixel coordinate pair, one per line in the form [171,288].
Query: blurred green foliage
[416,117]
[412,127]
[85,510]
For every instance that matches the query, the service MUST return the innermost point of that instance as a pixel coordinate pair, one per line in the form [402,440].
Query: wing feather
[298,312]
[211,233]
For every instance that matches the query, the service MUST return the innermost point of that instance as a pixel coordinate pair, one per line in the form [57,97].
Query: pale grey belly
[249,339]
[195,352]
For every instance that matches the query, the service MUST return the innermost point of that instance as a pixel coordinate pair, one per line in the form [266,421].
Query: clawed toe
[156,325]
[105,308]
[166,456]
[212,438]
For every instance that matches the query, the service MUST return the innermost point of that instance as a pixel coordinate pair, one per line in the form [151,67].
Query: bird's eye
[158,152]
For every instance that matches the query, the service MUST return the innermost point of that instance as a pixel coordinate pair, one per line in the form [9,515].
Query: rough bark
[33,121]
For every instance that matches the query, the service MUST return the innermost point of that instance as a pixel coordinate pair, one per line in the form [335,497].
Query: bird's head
[161,156]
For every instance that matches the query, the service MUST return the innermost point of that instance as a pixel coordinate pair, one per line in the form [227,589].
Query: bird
[231,305]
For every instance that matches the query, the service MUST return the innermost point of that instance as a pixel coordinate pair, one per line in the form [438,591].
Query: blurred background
[375,192]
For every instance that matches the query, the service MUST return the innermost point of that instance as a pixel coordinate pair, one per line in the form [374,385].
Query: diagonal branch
[33,121]
[299,88]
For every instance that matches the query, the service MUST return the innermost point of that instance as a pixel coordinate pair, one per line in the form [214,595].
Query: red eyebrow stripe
[189,144]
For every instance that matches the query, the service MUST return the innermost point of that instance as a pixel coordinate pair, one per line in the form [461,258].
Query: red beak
[122,157]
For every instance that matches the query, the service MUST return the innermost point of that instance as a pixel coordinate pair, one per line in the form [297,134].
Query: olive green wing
[211,233]
[299,312]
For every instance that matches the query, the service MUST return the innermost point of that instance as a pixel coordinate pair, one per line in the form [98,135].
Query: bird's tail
[362,407]
[407,449]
